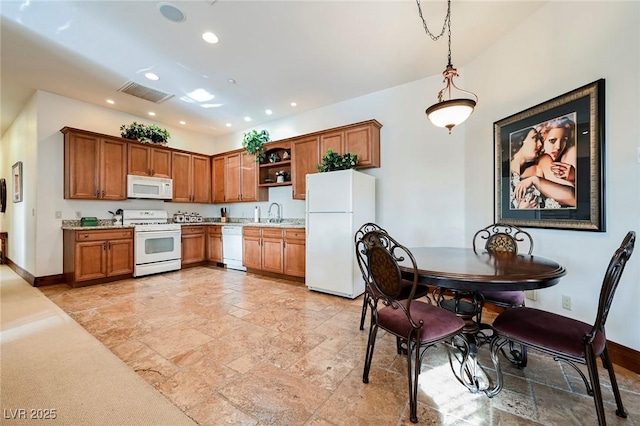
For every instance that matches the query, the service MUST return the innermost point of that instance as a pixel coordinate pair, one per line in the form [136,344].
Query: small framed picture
[16,181]
[549,163]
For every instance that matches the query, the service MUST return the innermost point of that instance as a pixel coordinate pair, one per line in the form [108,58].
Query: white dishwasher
[232,247]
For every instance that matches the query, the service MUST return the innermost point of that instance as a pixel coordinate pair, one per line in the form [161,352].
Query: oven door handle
[167,233]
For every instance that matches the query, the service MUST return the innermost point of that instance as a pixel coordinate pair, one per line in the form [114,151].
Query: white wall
[535,63]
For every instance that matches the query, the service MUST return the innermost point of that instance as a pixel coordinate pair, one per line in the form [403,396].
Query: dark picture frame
[550,163]
[16,181]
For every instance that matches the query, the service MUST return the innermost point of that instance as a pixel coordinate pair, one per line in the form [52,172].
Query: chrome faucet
[278,218]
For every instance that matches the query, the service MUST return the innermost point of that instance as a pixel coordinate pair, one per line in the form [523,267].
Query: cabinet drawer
[271,233]
[251,231]
[294,234]
[214,229]
[103,235]
[192,230]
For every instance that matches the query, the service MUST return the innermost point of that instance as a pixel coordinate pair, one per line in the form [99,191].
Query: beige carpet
[50,366]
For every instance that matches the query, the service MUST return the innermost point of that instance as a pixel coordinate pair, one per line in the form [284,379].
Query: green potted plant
[145,134]
[333,161]
[253,142]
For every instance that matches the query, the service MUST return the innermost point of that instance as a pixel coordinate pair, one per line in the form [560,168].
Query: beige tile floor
[233,348]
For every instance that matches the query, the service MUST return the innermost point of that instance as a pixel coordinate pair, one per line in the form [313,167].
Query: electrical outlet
[58,214]
[78,214]
[566,302]
[531,294]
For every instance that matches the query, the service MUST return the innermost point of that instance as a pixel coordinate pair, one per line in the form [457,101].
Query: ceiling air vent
[147,93]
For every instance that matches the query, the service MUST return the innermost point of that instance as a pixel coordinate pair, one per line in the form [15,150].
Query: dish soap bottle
[256,214]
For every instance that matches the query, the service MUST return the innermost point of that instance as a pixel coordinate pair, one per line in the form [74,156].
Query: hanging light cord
[445,25]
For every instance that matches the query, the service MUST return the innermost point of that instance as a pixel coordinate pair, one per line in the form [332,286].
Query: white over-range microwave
[149,187]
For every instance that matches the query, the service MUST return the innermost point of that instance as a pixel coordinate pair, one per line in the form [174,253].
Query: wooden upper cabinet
[232,178]
[201,172]
[95,166]
[362,139]
[145,160]
[218,165]
[181,173]
[305,156]
[191,175]
[241,179]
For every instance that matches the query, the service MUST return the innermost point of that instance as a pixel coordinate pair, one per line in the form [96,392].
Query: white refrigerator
[337,205]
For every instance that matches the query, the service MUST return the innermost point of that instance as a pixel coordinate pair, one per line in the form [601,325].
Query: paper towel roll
[256,214]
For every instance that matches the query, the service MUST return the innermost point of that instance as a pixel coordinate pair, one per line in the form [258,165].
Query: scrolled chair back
[611,279]
[362,247]
[503,238]
[384,257]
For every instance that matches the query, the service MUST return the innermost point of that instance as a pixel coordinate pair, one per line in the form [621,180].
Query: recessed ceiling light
[151,113]
[228,124]
[231,81]
[152,76]
[268,112]
[183,122]
[210,37]
[247,119]
[171,12]
[293,104]
[110,101]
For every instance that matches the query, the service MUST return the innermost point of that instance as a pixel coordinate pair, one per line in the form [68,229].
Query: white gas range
[157,242]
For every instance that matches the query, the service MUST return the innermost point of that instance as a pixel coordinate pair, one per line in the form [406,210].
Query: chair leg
[369,356]
[606,361]
[365,304]
[592,367]
[496,344]
[413,372]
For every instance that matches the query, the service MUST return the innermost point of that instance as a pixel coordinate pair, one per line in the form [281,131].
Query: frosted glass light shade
[450,113]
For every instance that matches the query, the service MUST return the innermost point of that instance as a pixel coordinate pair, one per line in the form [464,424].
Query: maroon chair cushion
[515,298]
[547,330]
[438,323]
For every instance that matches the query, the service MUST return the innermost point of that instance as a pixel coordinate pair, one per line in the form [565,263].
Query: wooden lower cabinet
[96,256]
[274,250]
[294,252]
[214,243]
[193,245]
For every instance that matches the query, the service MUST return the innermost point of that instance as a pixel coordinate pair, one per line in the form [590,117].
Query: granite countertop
[74,225]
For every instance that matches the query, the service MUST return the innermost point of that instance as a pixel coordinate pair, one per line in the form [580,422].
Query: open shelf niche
[277,159]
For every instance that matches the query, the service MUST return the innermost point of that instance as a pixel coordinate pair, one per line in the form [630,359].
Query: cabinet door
[333,141]
[251,248]
[217,179]
[139,160]
[272,250]
[214,244]
[364,140]
[81,166]
[201,169]
[249,178]
[113,169]
[232,178]
[119,257]
[294,252]
[160,162]
[181,165]
[305,159]
[91,260]
[193,248]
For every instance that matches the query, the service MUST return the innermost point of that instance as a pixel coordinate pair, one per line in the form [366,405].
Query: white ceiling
[312,52]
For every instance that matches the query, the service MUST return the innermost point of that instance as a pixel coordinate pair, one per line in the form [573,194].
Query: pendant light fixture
[448,111]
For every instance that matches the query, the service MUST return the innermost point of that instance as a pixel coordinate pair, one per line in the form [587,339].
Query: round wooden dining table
[464,269]
[470,273]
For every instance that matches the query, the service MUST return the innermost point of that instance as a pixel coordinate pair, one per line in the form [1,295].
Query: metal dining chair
[567,339]
[361,253]
[418,324]
[502,238]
